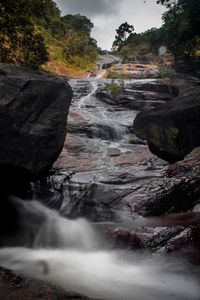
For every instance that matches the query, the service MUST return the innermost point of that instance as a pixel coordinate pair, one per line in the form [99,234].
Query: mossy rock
[114,89]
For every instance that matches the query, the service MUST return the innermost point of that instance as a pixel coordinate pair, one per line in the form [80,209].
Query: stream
[100,179]
[74,255]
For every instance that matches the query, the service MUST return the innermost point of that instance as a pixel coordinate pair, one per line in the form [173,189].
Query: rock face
[107,60]
[136,95]
[173,129]
[33,116]
[167,202]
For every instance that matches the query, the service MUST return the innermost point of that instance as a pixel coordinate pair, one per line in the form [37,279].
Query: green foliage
[47,15]
[156,38]
[33,32]
[77,44]
[34,51]
[182,26]
[180,33]
[135,50]
[77,23]
[80,49]
[123,33]
[143,43]
[111,74]
[114,89]
[55,45]
[19,41]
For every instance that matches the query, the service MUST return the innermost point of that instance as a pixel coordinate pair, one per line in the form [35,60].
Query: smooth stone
[113,152]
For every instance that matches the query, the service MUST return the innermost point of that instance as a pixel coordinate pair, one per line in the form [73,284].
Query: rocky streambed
[105,173]
[142,213]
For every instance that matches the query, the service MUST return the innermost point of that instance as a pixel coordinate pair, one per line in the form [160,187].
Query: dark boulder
[172,130]
[33,118]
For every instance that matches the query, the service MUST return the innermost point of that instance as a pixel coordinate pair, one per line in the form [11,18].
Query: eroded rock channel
[142,214]
[105,173]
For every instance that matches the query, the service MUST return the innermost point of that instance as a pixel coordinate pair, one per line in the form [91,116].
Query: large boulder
[172,130]
[33,118]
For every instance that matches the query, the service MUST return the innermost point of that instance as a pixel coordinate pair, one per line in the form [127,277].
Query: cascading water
[75,254]
[103,126]
[70,254]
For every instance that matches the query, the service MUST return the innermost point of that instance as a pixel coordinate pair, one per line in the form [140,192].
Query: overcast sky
[107,15]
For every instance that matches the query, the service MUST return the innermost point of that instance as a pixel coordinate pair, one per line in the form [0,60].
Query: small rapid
[107,128]
[104,174]
[71,254]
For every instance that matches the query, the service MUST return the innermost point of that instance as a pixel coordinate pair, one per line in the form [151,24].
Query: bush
[19,43]
[113,75]
[114,89]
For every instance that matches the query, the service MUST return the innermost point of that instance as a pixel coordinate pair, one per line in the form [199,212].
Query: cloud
[142,15]
[89,8]
[107,15]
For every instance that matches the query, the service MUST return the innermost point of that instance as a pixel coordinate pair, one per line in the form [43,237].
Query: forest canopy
[32,33]
[180,33]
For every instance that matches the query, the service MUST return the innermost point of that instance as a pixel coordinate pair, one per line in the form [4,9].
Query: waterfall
[68,253]
[84,100]
[104,174]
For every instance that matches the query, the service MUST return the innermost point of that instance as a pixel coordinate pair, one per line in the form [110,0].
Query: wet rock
[157,87]
[170,207]
[92,199]
[98,195]
[103,131]
[177,195]
[113,152]
[107,60]
[125,239]
[161,235]
[173,128]
[83,195]
[80,87]
[138,96]
[138,59]
[132,185]
[17,287]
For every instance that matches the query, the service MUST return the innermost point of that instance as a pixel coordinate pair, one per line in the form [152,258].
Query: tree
[77,23]
[19,41]
[167,3]
[34,51]
[47,14]
[123,33]
[156,37]
[79,48]
[182,26]
[28,28]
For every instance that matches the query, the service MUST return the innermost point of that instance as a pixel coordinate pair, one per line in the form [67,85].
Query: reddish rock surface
[162,230]
[123,238]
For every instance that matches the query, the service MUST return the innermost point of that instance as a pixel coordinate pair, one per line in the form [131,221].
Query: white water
[69,253]
[86,99]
